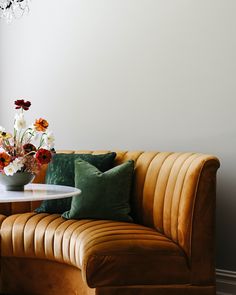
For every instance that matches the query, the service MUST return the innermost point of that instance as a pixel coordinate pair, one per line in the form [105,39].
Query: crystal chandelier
[13,8]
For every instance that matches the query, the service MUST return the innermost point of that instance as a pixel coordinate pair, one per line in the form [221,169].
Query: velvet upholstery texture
[88,244]
[169,250]
[61,171]
[103,195]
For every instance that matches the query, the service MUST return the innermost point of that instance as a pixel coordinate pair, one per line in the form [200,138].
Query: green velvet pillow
[105,195]
[61,171]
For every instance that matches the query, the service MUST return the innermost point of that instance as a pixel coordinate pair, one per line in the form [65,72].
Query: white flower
[19,122]
[2,129]
[14,166]
[49,139]
[9,169]
[18,163]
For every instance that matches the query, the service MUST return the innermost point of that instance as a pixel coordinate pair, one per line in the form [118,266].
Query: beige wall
[131,74]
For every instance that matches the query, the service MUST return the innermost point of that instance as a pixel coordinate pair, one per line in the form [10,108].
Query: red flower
[20,103]
[5,160]
[43,156]
[28,147]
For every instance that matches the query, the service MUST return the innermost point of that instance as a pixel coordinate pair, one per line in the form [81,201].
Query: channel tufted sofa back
[172,192]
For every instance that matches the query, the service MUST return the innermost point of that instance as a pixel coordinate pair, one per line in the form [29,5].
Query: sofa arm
[196,203]
[202,243]
[175,194]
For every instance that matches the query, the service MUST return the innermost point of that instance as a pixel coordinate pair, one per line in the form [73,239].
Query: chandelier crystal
[10,9]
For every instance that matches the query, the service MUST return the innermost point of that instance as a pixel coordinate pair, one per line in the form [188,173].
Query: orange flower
[5,160]
[41,125]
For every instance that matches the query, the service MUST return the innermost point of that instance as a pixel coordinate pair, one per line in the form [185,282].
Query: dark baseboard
[225,282]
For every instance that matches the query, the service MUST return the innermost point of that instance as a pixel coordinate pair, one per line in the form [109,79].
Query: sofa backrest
[172,191]
[175,193]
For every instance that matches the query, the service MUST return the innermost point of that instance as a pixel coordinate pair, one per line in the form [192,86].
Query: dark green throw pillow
[61,171]
[105,195]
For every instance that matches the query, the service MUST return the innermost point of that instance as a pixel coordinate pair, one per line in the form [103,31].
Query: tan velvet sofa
[168,250]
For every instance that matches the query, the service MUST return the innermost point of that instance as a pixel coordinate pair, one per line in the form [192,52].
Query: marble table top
[38,192]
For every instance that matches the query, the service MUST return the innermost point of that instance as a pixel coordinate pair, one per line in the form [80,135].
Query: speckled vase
[17,181]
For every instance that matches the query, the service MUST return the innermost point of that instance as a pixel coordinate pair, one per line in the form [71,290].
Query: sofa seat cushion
[109,253]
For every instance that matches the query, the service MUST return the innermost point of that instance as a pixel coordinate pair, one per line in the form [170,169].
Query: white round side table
[38,192]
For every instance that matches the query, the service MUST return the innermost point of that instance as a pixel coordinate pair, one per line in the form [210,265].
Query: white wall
[131,74]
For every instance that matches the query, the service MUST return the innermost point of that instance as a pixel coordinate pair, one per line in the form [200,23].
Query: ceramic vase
[17,181]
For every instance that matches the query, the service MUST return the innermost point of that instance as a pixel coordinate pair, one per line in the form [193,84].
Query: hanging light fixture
[10,9]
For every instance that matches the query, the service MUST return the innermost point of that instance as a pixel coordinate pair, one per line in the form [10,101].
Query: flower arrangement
[13,8]
[20,152]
